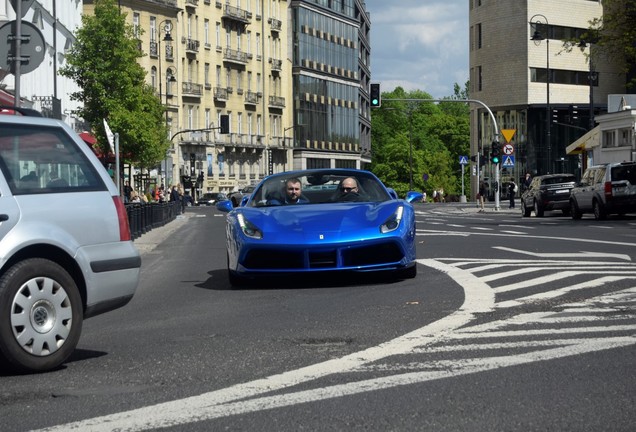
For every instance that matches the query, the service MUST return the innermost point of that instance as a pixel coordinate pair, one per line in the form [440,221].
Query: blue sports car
[318,221]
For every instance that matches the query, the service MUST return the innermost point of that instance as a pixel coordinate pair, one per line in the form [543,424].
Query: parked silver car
[604,190]
[65,248]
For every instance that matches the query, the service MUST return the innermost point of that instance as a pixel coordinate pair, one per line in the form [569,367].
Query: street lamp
[591,77]
[293,139]
[166,26]
[537,37]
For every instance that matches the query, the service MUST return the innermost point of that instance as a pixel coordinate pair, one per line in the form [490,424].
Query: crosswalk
[551,323]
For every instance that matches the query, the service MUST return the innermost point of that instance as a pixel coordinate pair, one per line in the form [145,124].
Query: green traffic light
[495,160]
[374,102]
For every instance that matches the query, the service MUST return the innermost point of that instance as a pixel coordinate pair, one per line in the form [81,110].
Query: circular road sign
[508,149]
[32,49]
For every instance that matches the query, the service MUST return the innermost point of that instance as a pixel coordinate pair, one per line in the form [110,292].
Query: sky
[419,44]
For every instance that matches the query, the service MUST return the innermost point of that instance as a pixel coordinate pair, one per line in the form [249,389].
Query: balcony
[251,98]
[276,102]
[191,3]
[276,64]
[236,14]
[153,49]
[275,24]
[191,89]
[192,45]
[234,56]
[220,94]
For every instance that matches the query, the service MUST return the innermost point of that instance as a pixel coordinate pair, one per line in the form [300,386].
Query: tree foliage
[104,63]
[433,135]
[615,34]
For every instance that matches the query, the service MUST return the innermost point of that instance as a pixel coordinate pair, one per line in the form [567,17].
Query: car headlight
[248,228]
[393,222]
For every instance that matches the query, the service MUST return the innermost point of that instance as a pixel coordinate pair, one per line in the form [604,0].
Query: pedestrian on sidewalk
[512,191]
[481,195]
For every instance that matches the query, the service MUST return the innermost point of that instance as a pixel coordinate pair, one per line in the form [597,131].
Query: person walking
[512,190]
[481,195]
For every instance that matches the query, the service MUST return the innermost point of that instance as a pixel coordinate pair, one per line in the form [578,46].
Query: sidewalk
[148,241]
[473,207]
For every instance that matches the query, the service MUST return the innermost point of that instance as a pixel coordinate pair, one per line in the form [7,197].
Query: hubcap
[41,316]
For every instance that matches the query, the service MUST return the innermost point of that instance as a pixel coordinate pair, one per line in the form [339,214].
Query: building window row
[561,76]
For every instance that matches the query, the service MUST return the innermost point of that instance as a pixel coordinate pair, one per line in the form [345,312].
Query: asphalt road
[512,324]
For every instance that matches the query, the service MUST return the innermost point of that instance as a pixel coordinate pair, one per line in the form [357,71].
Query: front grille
[371,255]
[358,256]
[274,259]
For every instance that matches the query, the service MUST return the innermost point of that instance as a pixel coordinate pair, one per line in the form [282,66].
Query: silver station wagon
[66,252]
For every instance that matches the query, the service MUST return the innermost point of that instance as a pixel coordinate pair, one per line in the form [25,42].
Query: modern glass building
[331,73]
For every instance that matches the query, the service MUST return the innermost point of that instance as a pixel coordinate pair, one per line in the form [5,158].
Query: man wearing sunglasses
[348,190]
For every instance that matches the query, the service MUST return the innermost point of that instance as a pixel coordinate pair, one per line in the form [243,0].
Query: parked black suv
[604,190]
[547,192]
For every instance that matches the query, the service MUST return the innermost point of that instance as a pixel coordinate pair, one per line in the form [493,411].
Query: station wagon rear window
[37,160]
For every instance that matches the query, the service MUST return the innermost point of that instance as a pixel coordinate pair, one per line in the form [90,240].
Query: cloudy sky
[419,44]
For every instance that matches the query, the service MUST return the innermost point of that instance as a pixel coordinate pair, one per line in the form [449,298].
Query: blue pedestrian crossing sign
[463,160]
[508,161]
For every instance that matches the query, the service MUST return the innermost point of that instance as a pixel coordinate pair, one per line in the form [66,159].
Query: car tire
[525,211]
[41,315]
[538,211]
[409,272]
[599,211]
[575,212]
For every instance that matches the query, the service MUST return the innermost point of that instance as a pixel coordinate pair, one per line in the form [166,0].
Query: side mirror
[224,206]
[412,196]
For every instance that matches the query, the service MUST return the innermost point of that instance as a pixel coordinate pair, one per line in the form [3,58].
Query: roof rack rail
[28,112]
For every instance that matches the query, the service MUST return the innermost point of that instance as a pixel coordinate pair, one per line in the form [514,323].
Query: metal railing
[143,217]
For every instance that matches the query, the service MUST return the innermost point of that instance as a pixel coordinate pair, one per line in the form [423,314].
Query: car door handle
[4,217]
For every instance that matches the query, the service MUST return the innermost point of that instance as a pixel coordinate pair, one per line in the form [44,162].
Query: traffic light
[376,97]
[494,152]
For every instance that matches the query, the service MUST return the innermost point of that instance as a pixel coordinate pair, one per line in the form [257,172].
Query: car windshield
[318,187]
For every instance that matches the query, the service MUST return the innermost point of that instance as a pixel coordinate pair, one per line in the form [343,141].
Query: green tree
[615,34]
[433,135]
[104,63]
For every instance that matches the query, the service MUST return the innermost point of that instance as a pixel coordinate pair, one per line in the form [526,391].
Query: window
[479,36]
[206,32]
[38,160]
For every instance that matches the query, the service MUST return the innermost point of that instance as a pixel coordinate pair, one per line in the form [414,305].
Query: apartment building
[514,47]
[291,76]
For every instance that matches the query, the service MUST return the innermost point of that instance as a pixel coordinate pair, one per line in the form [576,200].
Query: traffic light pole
[495,130]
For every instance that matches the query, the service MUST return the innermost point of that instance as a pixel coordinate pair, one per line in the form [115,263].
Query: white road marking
[588,328]
[568,255]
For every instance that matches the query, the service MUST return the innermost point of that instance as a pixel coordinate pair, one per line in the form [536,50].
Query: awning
[6,99]
[88,138]
[588,141]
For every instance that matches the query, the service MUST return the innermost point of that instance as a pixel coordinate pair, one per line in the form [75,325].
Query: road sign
[31,50]
[508,149]
[508,134]
[463,160]
[508,161]
[24,7]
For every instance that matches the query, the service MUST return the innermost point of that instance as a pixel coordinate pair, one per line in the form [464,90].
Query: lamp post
[537,37]
[166,26]
[293,128]
[591,77]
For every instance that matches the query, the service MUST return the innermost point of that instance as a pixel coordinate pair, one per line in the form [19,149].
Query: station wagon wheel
[538,211]
[40,315]
[599,211]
